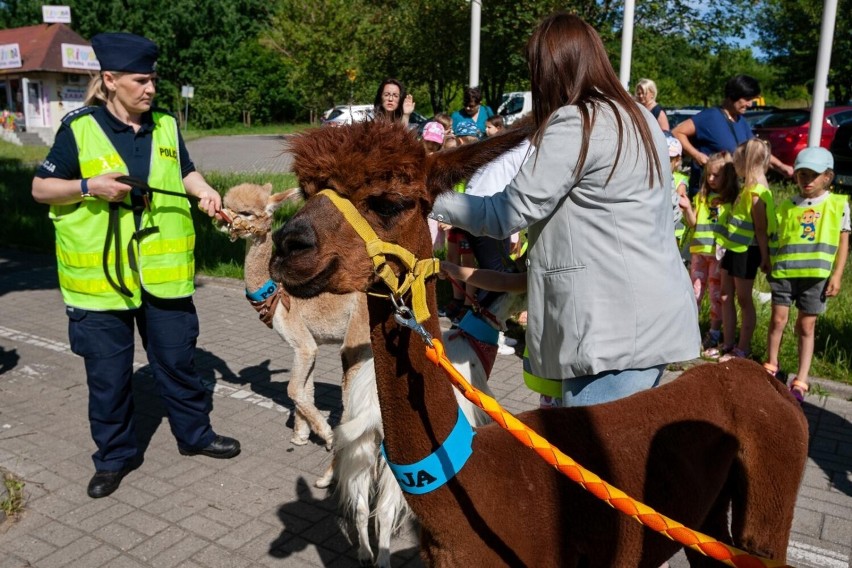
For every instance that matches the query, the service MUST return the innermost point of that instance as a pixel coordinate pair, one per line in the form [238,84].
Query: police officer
[125,255]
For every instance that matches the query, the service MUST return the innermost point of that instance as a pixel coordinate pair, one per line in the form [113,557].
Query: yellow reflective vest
[808,237]
[739,226]
[163,247]
[710,213]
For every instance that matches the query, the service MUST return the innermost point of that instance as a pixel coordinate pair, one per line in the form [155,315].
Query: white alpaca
[304,324]
[364,479]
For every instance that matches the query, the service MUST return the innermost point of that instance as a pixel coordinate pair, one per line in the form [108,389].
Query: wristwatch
[84,188]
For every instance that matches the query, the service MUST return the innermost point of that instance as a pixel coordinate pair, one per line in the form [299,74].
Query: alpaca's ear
[268,187]
[278,199]
[445,169]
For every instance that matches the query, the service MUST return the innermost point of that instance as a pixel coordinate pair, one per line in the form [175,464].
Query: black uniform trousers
[169,330]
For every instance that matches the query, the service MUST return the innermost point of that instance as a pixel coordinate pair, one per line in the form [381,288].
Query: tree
[789,32]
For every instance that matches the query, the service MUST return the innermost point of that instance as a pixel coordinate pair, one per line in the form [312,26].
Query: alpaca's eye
[386,207]
[246,214]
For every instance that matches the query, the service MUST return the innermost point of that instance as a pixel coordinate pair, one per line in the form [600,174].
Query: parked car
[416,122]
[347,114]
[678,115]
[757,114]
[515,105]
[841,149]
[787,130]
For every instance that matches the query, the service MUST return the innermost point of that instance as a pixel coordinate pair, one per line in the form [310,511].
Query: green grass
[14,499]
[25,154]
[240,130]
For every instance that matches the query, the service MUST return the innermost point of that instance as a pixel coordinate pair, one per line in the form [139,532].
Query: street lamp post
[826,36]
[475,25]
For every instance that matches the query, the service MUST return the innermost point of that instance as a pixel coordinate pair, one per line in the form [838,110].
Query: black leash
[113,234]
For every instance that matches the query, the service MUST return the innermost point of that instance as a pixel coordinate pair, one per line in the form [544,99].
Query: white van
[515,105]
[347,114]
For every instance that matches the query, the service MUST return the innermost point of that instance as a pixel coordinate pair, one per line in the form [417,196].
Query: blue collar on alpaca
[476,326]
[438,468]
[263,292]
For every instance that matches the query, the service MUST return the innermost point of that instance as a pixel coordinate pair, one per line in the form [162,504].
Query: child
[550,390]
[459,250]
[494,125]
[433,136]
[447,122]
[718,191]
[681,206]
[808,258]
[746,238]
[433,140]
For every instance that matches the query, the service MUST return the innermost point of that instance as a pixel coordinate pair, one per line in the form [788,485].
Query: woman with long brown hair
[610,303]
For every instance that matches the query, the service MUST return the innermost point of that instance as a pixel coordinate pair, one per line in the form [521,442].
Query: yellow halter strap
[417,272]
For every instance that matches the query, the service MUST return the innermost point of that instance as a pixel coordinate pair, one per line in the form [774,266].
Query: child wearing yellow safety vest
[746,239]
[718,191]
[808,258]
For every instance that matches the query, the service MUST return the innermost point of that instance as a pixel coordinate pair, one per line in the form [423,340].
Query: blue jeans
[609,385]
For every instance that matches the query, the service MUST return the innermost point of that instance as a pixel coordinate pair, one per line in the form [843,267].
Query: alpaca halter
[417,272]
[238,225]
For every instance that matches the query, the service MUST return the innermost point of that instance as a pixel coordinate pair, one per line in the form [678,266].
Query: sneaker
[508,341]
[505,350]
[712,339]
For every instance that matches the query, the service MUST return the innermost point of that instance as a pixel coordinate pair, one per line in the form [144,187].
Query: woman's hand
[408,105]
[107,188]
[209,199]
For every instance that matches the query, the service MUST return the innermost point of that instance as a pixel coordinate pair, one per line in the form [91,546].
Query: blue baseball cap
[125,52]
[467,128]
[815,159]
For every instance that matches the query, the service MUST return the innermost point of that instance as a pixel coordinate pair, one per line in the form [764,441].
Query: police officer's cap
[125,52]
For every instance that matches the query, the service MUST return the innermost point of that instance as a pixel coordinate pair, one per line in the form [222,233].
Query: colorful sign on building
[79,57]
[10,56]
[56,14]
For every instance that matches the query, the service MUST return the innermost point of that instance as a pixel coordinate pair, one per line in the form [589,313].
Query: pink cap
[434,132]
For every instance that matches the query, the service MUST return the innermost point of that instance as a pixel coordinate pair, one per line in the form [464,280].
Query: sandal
[799,389]
[716,352]
[735,353]
[775,371]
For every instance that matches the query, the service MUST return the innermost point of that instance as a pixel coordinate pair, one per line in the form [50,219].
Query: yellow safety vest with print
[547,387]
[808,237]
[709,213]
[738,234]
[164,246]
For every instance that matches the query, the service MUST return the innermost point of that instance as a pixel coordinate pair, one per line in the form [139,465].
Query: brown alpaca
[719,437]
[302,323]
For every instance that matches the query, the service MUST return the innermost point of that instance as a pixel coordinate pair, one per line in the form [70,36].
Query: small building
[44,72]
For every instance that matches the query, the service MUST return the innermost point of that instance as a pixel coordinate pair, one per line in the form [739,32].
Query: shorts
[806,292]
[460,238]
[742,264]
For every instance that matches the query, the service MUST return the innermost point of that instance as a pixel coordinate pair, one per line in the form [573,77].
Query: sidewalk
[260,508]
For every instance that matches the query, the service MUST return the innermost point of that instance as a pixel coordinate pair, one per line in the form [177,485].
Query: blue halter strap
[438,468]
[263,292]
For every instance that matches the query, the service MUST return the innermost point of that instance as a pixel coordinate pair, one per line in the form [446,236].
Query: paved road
[259,509]
[257,154]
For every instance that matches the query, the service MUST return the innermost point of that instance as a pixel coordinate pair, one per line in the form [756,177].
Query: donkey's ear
[444,169]
[279,199]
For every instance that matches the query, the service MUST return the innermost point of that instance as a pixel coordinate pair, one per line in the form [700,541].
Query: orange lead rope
[614,497]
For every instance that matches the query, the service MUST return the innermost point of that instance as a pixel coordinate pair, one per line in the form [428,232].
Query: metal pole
[626,44]
[826,35]
[475,25]
[186,114]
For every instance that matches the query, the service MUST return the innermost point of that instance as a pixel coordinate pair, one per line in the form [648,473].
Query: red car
[787,130]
